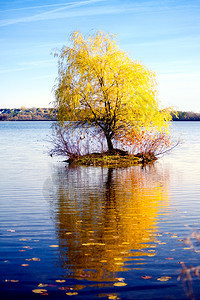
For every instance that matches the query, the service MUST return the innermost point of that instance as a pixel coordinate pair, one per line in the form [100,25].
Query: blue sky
[164,35]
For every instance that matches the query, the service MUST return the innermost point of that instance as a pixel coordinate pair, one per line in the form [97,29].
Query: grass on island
[110,160]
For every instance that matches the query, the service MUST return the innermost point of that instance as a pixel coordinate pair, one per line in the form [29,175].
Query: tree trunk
[109,143]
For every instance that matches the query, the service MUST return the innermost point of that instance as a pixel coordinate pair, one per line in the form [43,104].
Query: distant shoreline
[49,114]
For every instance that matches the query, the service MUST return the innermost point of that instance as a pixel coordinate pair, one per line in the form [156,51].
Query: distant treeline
[186,116]
[27,114]
[49,114]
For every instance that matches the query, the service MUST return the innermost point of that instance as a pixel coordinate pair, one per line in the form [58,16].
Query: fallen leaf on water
[54,246]
[120,284]
[120,279]
[169,258]
[65,288]
[164,278]
[11,230]
[151,254]
[146,277]
[22,250]
[39,291]
[60,280]
[35,259]
[44,294]
[13,280]
[42,285]
[25,265]
[52,285]
[22,239]
[71,293]
[113,297]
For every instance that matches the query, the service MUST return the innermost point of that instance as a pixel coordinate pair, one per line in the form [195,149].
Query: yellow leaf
[164,278]
[71,293]
[54,246]
[120,284]
[42,285]
[39,291]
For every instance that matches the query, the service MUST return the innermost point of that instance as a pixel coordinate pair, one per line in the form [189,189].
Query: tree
[100,84]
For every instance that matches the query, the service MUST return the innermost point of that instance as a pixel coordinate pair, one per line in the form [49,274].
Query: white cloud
[50,14]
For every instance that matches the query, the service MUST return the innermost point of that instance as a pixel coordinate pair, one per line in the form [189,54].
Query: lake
[93,232]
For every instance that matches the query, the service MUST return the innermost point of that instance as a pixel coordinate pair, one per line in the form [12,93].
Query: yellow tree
[100,84]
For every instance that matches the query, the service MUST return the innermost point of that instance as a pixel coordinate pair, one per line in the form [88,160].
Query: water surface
[96,232]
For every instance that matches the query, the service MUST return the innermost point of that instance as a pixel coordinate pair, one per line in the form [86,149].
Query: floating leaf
[25,265]
[169,258]
[146,277]
[71,293]
[103,261]
[164,278]
[120,284]
[120,279]
[60,280]
[35,259]
[22,239]
[42,285]
[54,246]
[151,254]
[39,291]
[65,288]
[112,297]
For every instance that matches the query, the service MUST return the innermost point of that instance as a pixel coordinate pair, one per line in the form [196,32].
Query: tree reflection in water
[106,217]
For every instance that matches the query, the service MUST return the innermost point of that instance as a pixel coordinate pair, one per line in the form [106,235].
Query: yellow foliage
[100,84]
